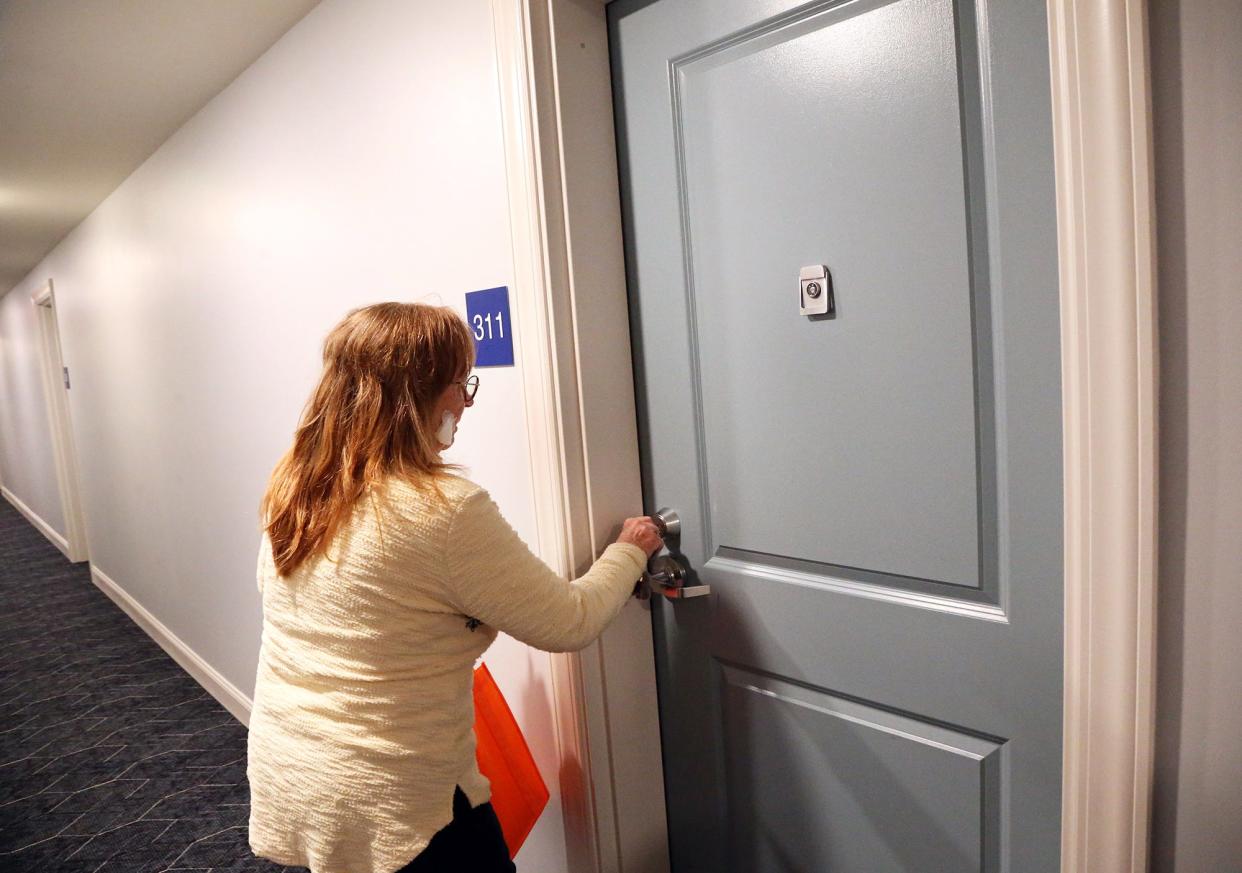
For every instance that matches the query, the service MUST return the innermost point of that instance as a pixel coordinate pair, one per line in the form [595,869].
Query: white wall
[360,159]
[1197,69]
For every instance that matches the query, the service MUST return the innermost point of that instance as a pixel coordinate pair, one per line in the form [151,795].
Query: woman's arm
[491,575]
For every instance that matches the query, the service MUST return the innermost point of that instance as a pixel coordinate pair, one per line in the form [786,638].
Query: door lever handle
[667,575]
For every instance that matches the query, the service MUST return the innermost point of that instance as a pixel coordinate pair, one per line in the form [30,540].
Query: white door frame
[570,293]
[55,395]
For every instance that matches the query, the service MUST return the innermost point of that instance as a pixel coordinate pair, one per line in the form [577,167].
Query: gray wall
[1197,73]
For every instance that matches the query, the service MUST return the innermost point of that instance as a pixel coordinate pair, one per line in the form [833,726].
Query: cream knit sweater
[363,708]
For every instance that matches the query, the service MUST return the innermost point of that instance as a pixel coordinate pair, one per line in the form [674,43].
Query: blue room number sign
[487,313]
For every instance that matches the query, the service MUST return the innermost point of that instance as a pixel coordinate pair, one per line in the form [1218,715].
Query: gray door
[874,497]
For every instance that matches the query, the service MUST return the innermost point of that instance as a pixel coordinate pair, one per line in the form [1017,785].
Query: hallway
[961,529]
[112,758]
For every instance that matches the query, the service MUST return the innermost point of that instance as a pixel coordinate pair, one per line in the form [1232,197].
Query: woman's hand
[642,532]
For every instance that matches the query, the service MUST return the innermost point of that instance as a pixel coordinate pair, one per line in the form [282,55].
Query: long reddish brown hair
[384,368]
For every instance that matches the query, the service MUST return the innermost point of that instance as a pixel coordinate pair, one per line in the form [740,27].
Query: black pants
[471,843]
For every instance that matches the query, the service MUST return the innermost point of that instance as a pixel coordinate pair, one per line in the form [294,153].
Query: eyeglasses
[470,387]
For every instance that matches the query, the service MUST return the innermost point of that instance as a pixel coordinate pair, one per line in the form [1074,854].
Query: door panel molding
[941,784]
[792,572]
[965,31]
[570,294]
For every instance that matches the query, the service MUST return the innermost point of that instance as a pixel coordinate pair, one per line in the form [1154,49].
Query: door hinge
[66,369]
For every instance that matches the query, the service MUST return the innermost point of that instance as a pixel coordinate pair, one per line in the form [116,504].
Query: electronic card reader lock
[665,573]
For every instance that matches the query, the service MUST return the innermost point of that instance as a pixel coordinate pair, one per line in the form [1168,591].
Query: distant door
[874,496]
[56,383]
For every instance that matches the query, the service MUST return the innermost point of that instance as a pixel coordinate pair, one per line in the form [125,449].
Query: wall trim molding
[224,691]
[1102,140]
[534,316]
[581,423]
[37,520]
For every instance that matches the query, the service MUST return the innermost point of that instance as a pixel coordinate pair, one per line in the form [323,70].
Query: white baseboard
[43,527]
[229,696]
[220,688]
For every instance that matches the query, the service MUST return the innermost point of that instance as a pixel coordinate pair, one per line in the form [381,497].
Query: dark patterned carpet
[112,758]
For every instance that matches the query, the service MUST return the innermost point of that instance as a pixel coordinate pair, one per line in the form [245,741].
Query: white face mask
[448,422]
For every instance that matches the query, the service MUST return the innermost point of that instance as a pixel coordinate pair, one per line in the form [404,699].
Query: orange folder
[519,794]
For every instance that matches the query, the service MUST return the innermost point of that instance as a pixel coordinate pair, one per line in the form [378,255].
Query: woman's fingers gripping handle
[642,532]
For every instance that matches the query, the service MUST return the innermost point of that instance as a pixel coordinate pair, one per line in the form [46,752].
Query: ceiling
[90,88]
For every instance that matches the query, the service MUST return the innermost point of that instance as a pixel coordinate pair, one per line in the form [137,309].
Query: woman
[384,577]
